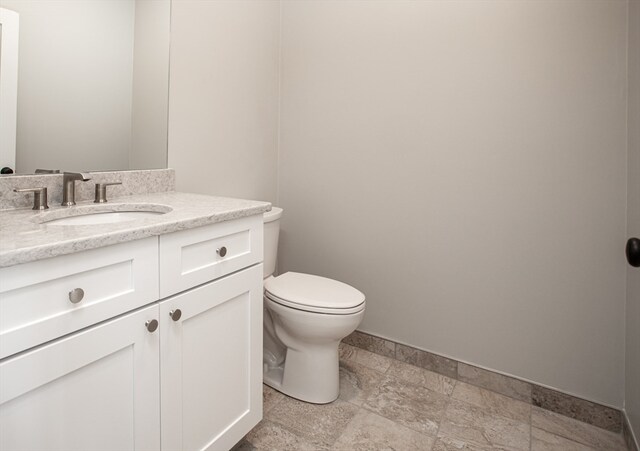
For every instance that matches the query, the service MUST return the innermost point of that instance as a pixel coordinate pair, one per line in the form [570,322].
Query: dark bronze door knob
[633,252]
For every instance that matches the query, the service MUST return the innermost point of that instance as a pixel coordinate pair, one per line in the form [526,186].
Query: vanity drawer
[192,257]
[36,298]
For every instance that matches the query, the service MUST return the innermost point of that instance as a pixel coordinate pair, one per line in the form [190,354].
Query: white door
[97,389]
[632,312]
[9,33]
[211,363]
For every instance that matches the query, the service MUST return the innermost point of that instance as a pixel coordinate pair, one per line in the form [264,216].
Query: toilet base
[308,375]
[273,378]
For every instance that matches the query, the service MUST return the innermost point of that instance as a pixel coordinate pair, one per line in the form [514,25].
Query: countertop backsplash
[133,182]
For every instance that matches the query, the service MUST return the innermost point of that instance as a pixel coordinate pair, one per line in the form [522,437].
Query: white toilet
[305,317]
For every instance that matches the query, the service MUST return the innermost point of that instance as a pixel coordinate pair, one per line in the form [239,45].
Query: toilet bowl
[305,317]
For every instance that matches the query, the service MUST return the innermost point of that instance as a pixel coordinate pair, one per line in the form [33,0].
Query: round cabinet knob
[151,325]
[175,314]
[222,251]
[76,295]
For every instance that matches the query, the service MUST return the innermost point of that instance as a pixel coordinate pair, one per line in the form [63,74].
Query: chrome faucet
[69,187]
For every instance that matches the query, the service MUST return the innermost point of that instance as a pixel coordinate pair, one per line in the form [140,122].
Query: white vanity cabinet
[126,367]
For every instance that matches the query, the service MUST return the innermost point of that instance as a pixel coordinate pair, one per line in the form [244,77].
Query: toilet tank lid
[273,214]
[313,291]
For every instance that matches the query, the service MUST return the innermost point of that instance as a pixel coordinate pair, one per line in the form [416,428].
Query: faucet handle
[39,196]
[101,191]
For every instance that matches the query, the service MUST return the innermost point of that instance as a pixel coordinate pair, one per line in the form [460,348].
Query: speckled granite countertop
[24,239]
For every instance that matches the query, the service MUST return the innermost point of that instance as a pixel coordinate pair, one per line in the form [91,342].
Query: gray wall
[74,84]
[464,164]
[223,97]
[632,401]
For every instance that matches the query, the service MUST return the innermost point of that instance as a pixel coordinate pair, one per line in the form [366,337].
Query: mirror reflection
[92,85]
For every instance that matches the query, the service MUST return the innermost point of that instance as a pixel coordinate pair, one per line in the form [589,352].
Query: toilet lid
[313,293]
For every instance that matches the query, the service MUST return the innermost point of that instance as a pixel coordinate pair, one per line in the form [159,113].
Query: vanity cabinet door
[211,363]
[94,390]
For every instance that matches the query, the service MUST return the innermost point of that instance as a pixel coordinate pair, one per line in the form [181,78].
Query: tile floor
[385,404]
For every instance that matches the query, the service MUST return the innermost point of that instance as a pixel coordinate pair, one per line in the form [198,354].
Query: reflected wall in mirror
[92,84]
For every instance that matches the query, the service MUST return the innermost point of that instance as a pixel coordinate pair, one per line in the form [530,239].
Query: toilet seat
[314,294]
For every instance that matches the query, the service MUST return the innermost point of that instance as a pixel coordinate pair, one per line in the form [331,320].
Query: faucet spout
[73,176]
[69,186]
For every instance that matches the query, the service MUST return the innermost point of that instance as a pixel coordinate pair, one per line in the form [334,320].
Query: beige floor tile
[243,445]
[363,357]
[420,376]
[546,441]
[270,398]
[270,436]
[576,430]
[579,409]
[368,432]
[357,381]
[496,382]
[478,428]
[374,361]
[493,402]
[347,352]
[371,343]
[445,443]
[319,425]
[415,407]
[427,360]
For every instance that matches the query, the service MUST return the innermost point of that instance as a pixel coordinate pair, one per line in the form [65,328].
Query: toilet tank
[271,233]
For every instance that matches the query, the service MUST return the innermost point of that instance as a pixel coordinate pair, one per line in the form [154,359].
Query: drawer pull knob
[222,251]
[175,314]
[76,295]
[152,325]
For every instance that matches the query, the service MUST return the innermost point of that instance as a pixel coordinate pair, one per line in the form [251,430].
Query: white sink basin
[106,217]
[99,214]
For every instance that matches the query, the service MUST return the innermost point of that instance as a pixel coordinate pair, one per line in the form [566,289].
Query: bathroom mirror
[92,91]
